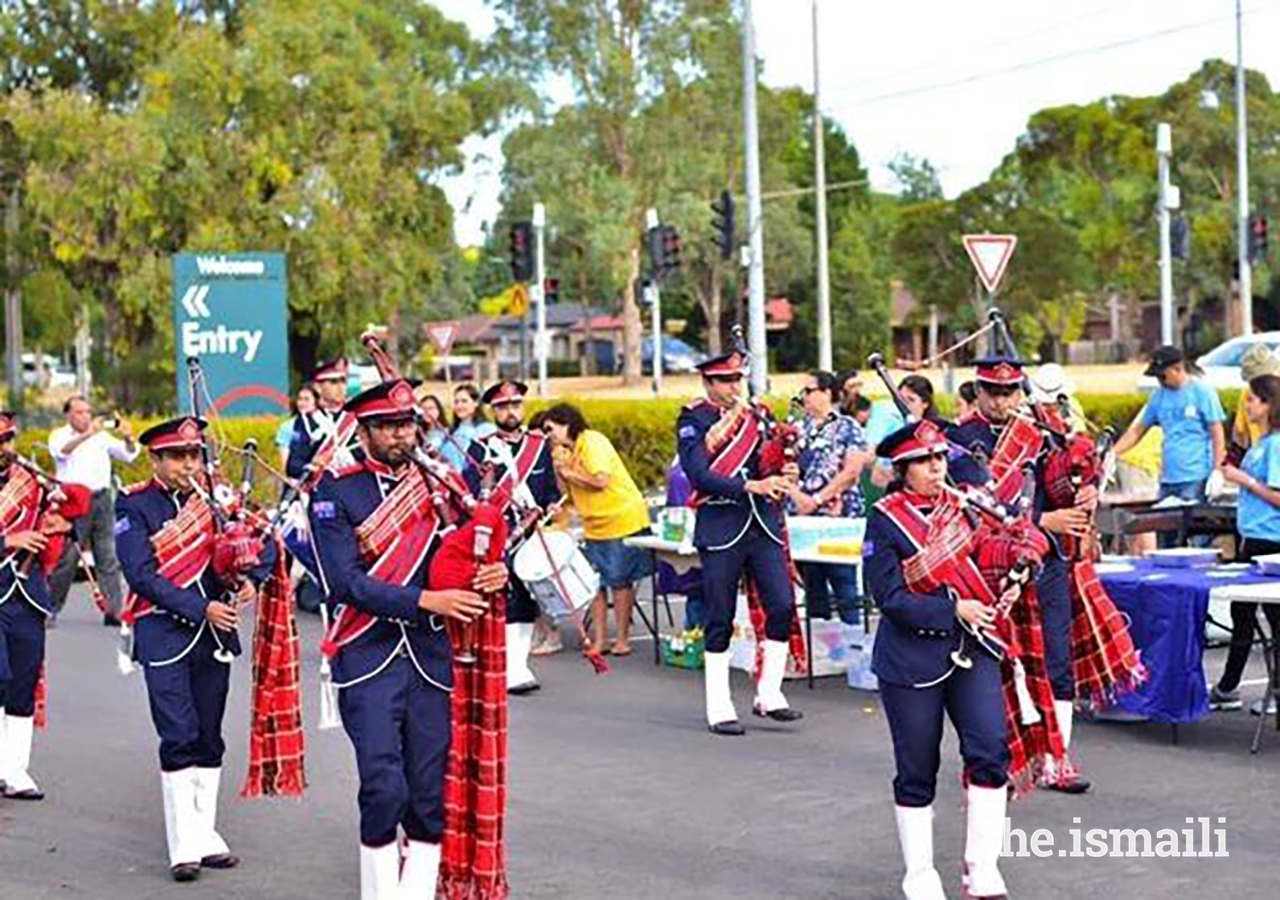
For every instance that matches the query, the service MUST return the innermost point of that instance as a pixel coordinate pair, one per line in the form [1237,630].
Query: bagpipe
[987,549]
[57,505]
[242,534]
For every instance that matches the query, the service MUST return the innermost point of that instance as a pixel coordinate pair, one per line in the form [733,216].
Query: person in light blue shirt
[1258,520]
[469,425]
[1190,415]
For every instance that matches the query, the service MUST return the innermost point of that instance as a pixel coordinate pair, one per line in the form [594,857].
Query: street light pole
[1164,149]
[655,302]
[538,294]
[1242,183]
[756,341]
[825,354]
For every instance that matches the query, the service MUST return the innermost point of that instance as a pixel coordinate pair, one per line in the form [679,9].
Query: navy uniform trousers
[187,699]
[761,557]
[399,725]
[974,701]
[1053,591]
[21,653]
[521,607]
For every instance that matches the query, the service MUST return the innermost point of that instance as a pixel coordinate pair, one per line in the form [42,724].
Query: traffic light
[1257,239]
[1180,238]
[551,289]
[521,251]
[663,243]
[723,224]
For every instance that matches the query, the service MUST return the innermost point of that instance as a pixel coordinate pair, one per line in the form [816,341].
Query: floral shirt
[823,448]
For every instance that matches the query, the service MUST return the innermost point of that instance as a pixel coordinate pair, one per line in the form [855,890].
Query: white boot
[1064,710]
[421,866]
[520,678]
[211,845]
[721,716]
[380,872]
[769,699]
[984,841]
[915,834]
[15,758]
[181,820]
[4,751]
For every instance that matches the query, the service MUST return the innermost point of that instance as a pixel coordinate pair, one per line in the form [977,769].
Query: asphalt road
[617,791]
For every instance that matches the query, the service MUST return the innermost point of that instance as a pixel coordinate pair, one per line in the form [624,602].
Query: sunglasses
[724,379]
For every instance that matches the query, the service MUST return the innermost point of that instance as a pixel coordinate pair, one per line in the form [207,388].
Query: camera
[111,421]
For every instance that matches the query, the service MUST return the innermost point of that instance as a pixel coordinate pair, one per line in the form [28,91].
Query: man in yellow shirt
[611,508]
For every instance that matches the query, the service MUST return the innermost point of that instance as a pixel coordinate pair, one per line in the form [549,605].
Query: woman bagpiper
[929,658]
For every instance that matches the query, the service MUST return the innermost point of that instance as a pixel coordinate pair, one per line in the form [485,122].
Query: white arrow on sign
[193,301]
[990,255]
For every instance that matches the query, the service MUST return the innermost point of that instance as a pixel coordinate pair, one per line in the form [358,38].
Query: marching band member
[24,607]
[920,676]
[311,429]
[184,621]
[1000,383]
[739,530]
[376,530]
[518,462]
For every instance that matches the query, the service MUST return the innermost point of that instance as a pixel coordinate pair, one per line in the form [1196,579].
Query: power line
[992,44]
[1049,60]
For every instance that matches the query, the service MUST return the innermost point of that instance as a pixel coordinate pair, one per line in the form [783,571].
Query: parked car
[1221,365]
[677,356]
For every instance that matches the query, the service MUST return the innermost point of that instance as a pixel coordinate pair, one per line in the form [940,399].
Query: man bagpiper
[184,625]
[1000,381]
[518,462]
[739,530]
[375,530]
[311,429]
[24,606]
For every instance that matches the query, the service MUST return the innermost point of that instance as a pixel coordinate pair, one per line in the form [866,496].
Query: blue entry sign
[230,311]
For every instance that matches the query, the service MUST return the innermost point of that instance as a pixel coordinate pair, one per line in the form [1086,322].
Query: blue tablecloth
[1167,609]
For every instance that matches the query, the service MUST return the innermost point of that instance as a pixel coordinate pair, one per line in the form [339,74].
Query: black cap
[1162,358]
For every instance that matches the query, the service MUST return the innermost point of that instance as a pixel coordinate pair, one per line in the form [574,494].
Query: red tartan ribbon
[1104,659]
[1019,444]
[277,745]
[20,498]
[183,549]
[472,854]
[730,443]
[394,541]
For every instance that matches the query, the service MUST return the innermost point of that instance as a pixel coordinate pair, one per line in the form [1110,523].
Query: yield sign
[990,255]
[442,336]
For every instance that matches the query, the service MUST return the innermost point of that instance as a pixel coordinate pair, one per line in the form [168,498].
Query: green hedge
[643,431]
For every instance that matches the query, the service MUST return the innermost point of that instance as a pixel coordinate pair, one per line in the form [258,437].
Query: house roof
[479,329]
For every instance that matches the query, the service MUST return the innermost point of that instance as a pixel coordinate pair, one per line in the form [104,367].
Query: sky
[953,82]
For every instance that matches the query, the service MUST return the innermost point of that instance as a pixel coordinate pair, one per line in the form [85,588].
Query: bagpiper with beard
[739,530]
[311,429]
[184,625]
[1000,394]
[24,608]
[517,461]
[376,531]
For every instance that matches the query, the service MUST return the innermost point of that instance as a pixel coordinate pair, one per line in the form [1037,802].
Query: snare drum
[557,574]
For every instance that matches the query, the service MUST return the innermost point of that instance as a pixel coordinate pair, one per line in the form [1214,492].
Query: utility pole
[1167,201]
[756,341]
[654,296]
[1242,183]
[825,355]
[12,299]
[541,340]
